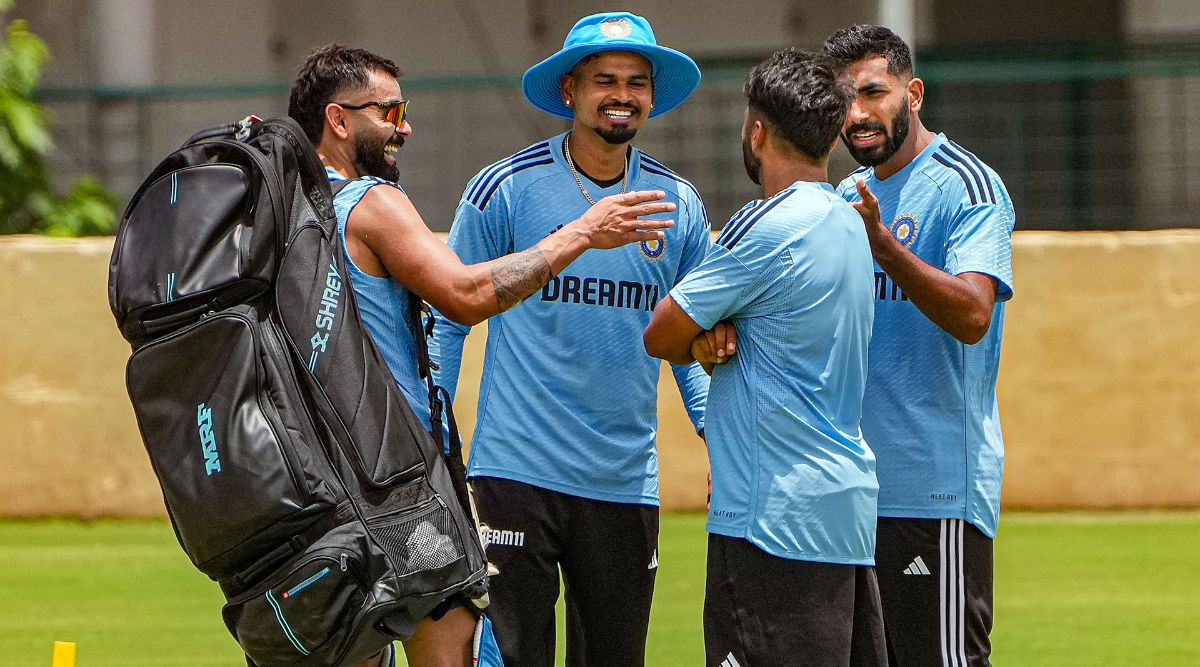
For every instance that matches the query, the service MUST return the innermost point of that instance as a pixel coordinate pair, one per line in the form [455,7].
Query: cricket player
[940,225]
[563,458]
[792,518]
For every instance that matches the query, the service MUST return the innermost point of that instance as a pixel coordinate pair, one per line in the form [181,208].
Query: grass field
[1072,590]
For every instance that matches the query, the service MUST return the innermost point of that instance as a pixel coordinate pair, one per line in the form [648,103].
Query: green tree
[27,202]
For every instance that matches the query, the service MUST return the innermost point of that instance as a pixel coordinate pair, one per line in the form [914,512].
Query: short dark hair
[849,45]
[801,97]
[330,70]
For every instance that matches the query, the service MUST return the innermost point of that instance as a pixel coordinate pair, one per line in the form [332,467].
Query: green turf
[1072,589]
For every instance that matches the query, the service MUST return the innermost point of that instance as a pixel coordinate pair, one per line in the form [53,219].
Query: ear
[566,88]
[335,121]
[758,135]
[916,94]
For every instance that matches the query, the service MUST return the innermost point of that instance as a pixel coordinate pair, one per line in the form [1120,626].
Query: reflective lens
[393,112]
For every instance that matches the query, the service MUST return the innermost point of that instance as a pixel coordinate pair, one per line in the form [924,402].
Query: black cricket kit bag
[294,472]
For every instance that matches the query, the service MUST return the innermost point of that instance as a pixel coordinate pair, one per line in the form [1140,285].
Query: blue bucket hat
[675,75]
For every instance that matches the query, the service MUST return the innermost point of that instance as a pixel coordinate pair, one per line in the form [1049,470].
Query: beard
[753,163]
[618,135]
[877,155]
[369,160]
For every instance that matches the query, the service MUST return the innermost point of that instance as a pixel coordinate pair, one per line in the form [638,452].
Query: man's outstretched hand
[868,208]
[618,220]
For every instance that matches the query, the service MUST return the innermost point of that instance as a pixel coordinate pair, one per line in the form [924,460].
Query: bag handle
[239,130]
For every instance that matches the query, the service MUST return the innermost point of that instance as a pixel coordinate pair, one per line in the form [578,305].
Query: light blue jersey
[569,397]
[930,408]
[383,303]
[791,472]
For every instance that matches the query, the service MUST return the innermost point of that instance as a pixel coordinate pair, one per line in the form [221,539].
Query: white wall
[1162,18]
[1161,181]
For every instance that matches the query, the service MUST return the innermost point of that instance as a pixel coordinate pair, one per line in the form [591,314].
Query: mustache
[629,106]
[868,126]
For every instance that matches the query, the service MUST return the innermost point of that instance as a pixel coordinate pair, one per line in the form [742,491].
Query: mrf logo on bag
[208,440]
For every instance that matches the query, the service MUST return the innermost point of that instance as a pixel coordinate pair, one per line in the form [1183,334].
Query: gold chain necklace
[571,165]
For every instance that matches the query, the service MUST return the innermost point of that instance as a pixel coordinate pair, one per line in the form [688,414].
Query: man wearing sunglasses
[349,104]
[563,457]
[393,111]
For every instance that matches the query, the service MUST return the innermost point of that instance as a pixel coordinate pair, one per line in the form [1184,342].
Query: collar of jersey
[796,185]
[916,163]
[335,175]
[635,160]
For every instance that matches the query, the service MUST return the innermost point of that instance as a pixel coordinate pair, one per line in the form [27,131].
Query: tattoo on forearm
[519,275]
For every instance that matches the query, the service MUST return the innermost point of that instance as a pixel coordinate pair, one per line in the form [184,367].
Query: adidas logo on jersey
[916,567]
[730,661]
[653,561]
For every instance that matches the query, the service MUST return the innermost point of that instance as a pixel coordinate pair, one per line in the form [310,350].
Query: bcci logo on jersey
[653,250]
[904,228]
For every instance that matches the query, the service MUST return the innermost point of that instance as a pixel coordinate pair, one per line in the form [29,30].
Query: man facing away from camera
[350,105]
[792,519]
[940,225]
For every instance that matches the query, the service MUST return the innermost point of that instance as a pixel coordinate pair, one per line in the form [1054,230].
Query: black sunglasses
[393,112]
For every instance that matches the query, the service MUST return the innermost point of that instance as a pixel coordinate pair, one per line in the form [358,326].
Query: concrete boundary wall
[1099,383]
